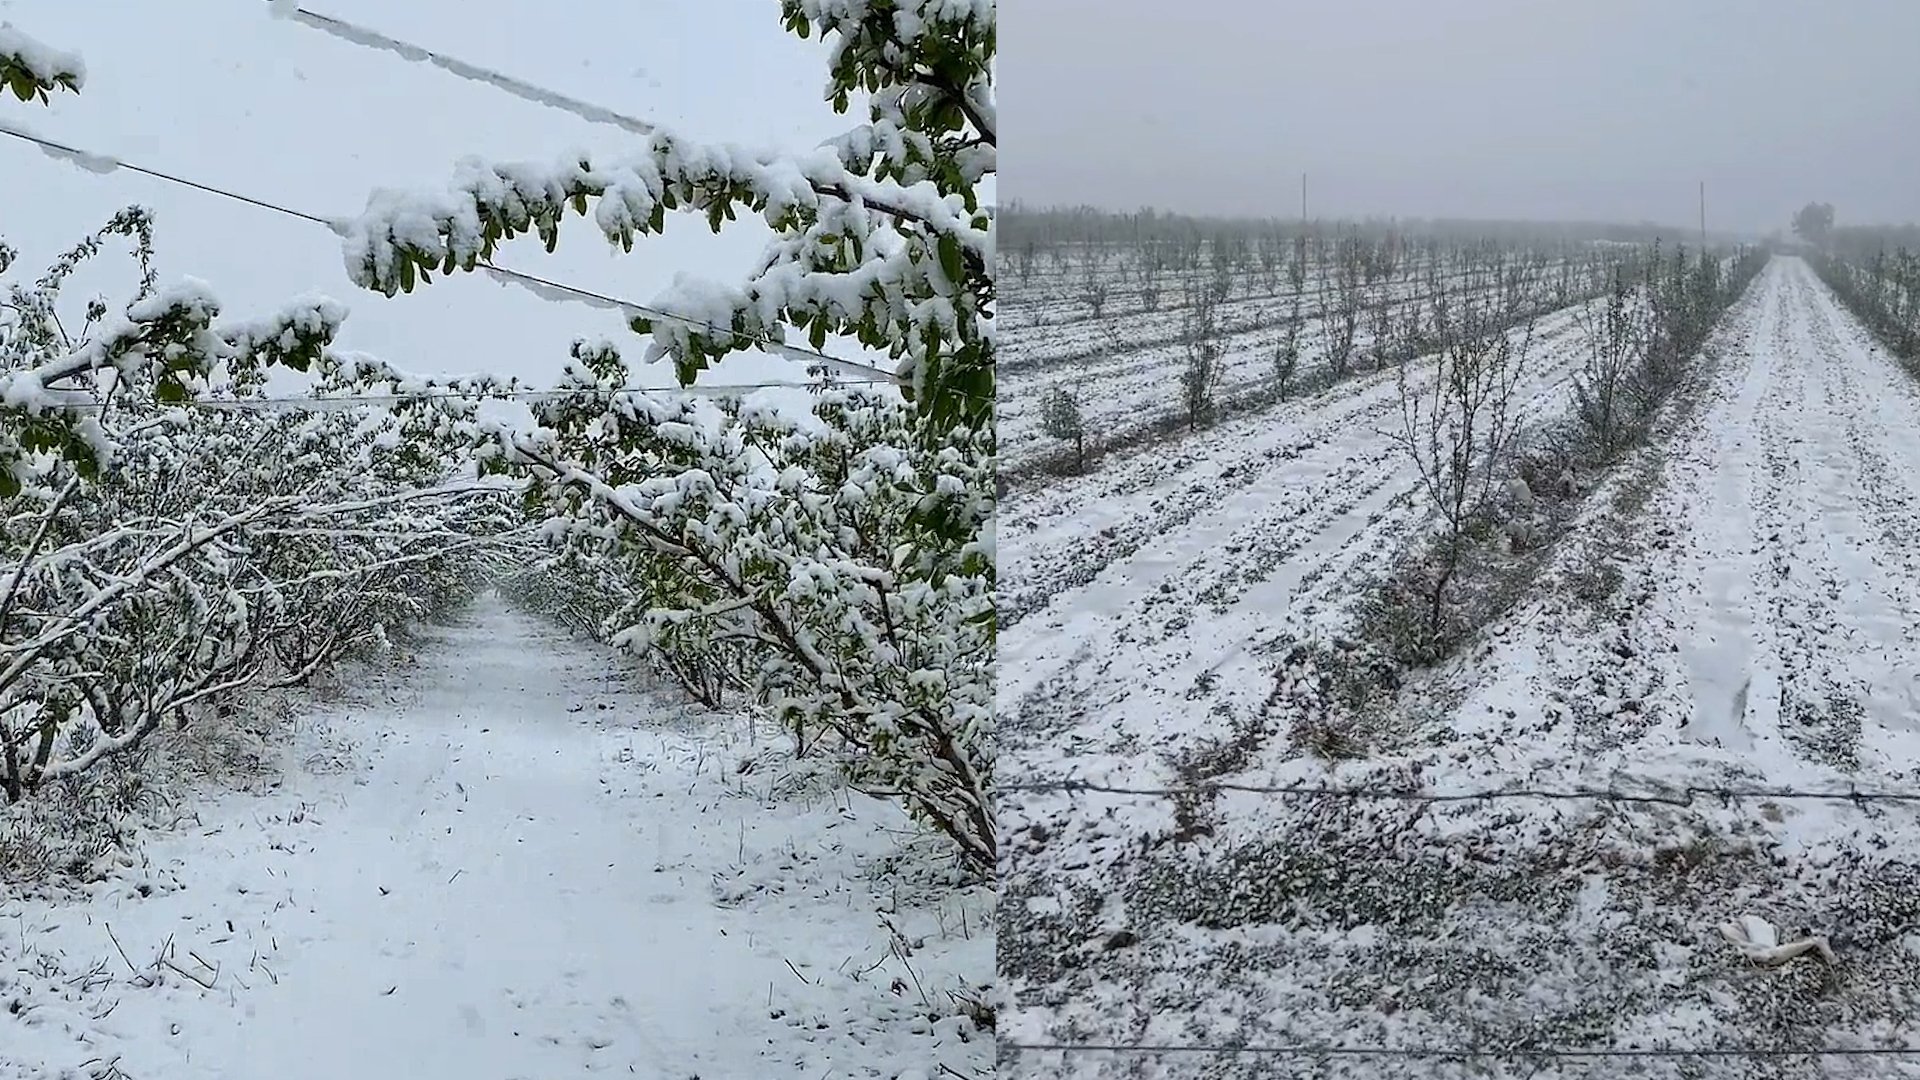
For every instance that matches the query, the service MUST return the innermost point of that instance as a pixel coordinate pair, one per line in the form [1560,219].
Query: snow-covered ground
[1127,587]
[509,859]
[1737,608]
[1777,620]
[1124,367]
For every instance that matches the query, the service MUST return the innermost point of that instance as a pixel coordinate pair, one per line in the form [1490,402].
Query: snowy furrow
[1125,601]
[1768,619]
[1130,382]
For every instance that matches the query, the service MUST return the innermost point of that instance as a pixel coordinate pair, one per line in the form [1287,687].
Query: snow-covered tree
[840,571]
[164,541]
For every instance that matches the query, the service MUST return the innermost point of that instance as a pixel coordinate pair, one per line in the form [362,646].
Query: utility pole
[1303,198]
[1703,215]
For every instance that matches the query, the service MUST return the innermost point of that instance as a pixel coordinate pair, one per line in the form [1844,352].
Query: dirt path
[532,870]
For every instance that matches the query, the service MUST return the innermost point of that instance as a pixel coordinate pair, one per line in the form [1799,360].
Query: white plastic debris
[1759,941]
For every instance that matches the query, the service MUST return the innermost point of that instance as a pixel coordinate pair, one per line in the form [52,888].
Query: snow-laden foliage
[879,234]
[839,573]
[167,542]
[200,551]
[31,68]
[168,343]
[745,549]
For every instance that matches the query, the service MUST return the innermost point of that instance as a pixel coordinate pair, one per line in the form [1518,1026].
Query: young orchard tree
[1616,348]
[1200,336]
[852,563]
[1286,355]
[785,544]
[1093,286]
[1342,297]
[1150,289]
[1060,418]
[1381,329]
[1272,255]
[1221,285]
[1460,430]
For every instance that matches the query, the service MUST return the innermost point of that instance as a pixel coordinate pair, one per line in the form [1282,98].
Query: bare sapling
[1150,288]
[1380,327]
[1460,430]
[1221,287]
[1272,254]
[1663,365]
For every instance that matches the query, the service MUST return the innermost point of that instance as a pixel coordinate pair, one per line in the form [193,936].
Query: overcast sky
[220,92]
[1546,109]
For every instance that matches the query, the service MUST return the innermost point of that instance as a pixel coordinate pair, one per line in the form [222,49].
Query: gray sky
[1551,109]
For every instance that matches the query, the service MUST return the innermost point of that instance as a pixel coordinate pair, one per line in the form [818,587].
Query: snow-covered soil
[509,861]
[1125,366]
[1737,609]
[1773,617]
[1140,601]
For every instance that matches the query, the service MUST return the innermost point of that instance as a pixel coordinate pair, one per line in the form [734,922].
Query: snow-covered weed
[82,828]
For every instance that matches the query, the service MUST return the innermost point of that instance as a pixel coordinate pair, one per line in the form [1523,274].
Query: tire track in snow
[1881,517]
[1816,703]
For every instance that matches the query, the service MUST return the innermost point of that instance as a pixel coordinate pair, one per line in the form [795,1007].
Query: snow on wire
[356,34]
[542,287]
[1674,796]
[323,403]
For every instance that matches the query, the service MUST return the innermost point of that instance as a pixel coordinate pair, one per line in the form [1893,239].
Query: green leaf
[950,259]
